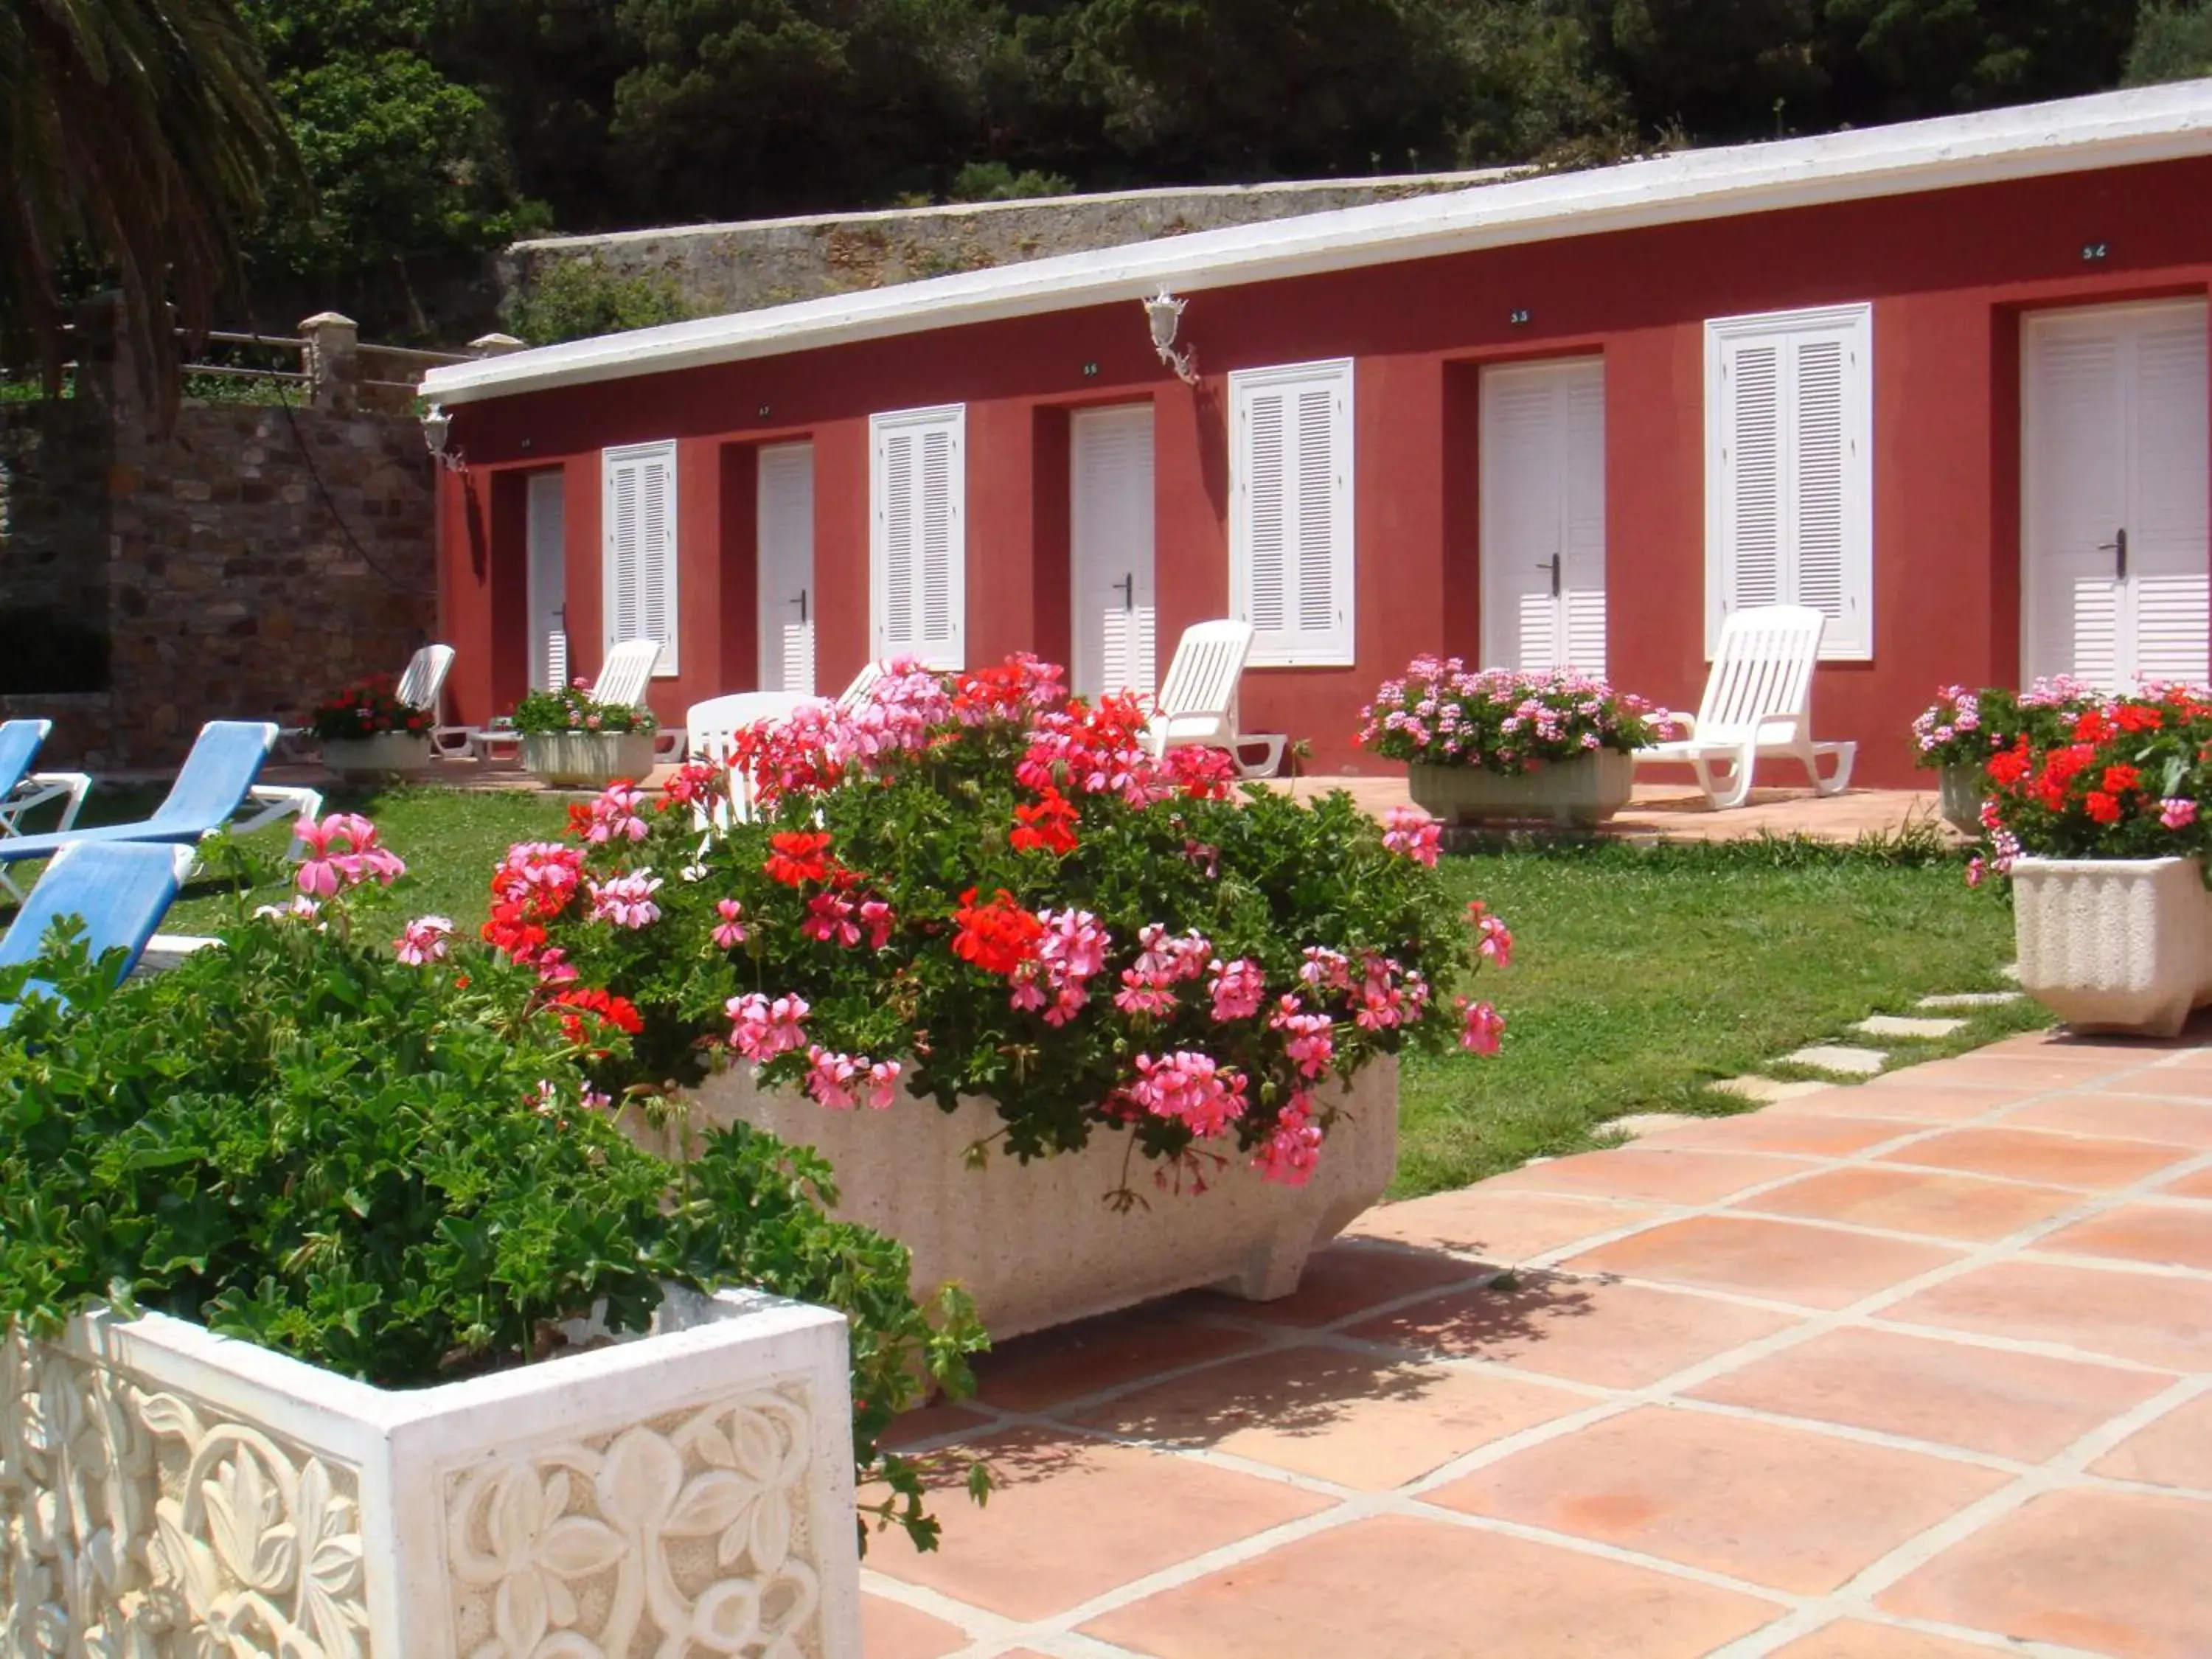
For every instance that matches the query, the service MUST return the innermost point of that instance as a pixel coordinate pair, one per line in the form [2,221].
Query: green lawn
[1640,977]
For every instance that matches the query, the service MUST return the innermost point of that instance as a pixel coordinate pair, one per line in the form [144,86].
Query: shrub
[386,1160]
[1501,720]
[368,709]
[572,708]
[995,182]
[576,299]
[2125,778]
[974,886]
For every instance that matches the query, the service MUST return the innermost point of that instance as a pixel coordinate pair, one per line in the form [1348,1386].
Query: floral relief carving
[144,1526]
[682,1536]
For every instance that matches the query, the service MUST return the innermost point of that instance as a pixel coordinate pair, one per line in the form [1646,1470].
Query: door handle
[1552,564]
[2117,547]
[1128,586]
[801,602]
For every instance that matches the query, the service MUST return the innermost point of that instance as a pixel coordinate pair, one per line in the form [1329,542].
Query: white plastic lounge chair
[711,725]
[119,890]
[1757,702]
[863,682]
[624,678]
[22,789]
[1197,701]
[215,782]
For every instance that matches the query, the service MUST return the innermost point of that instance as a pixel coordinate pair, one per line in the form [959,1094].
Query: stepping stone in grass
[2011,971]
[1767,1089]
[1835,1057]
[1969,999]
[1900,1025]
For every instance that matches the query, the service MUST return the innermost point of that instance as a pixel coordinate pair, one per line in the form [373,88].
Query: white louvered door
[1788,506]
[548,582]
[1110,549]
[918,536]
[784,541]
[1542,489]
[2117,560]
[1290,512]
[638,556]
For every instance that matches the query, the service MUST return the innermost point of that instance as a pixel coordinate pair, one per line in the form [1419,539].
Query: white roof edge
[2121,128]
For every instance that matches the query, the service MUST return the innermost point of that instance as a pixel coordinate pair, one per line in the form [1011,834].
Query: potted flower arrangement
[1957,733]
[573,741]
[367,731]
[1502,744]
[993,960]
[2102,833]
[338,1318]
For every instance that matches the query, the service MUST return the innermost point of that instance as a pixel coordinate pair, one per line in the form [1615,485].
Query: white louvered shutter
[639,564]
[1790,497]
[784,553]
[1290,512]
[917,534]
[1111,550]
[2073,468]
[1582,515]
[2168,527]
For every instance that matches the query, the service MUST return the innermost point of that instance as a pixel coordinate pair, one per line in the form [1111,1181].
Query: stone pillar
[495,345]
[334,362]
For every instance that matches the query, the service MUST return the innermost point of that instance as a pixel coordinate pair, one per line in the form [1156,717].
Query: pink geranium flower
[2177,812]
[730,932]
[423,940]
[760,1029]
[1239,987]
[1410,830]
[616,813]
[1482,1027]
[627,901]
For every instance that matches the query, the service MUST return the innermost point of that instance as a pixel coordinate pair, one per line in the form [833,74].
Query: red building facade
[1980,365]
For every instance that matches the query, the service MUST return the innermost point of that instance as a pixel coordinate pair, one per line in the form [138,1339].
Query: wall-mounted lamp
[1164,311]
[437,433]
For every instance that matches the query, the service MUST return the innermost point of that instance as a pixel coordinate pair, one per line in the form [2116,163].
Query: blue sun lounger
[22,789]
[120,889]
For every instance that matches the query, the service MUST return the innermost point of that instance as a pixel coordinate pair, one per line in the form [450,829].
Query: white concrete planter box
[588,760]
[1037,1244]
[2114,945]
[1960,795]
[381,756]
[1587,790]
[169,1494]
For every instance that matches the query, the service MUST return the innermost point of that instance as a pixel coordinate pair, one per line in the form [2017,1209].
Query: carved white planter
[168,1494]
[1587,790]
[1960,795]
[383,755]
[588,760]
[2114,945]
[1038,1244]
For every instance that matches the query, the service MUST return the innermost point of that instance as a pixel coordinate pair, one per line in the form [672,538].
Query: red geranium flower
[2103,808]
[2136,717]
[2118,779]
[2010,766]
[1047,827]
[577,1002]
[998,937]
[797,857]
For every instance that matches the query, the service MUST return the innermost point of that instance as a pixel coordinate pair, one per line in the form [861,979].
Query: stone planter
[387,754]
[588,760]
[1038,1244]
[1587,790]
[2114,945]
[1959,793]
[165,1492]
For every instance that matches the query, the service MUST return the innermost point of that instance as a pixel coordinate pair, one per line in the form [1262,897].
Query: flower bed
[974,887]
[1502,720]
[365,731]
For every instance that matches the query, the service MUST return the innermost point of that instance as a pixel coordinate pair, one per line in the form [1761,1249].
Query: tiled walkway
[1918,1368]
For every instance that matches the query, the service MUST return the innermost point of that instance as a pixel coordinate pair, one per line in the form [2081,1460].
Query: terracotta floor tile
[1039,1547]
[2174,1451]
[2123,1117]
[1616,1336]
[1825,1135]
[2062,1047]
[929,1422]
[1346,1279]
[1350,1418]
[2011,1405]
[1476,1595]
[1683,1177]
[2153,1319]
[2198,1185]
[1504,1227]
[1857,1639]
[2186,1082]
[2170,1234]
[1775,1505]
[1813,1266]
[2012,1077]
[2112,1573]
[892,1630]
[1915,1201]
[1880,1098]
[1031,1373]
[2037,1155]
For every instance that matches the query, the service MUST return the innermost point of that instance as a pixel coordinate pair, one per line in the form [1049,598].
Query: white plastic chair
[1757,702]
[1197,701]
[863,682]
[712,726]
[624,677]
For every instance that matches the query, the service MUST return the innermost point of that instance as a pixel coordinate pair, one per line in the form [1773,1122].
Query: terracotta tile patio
[1918,1368]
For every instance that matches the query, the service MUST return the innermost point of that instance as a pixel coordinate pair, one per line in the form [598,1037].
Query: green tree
[1896,59]
[2173,42]
[136,137]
